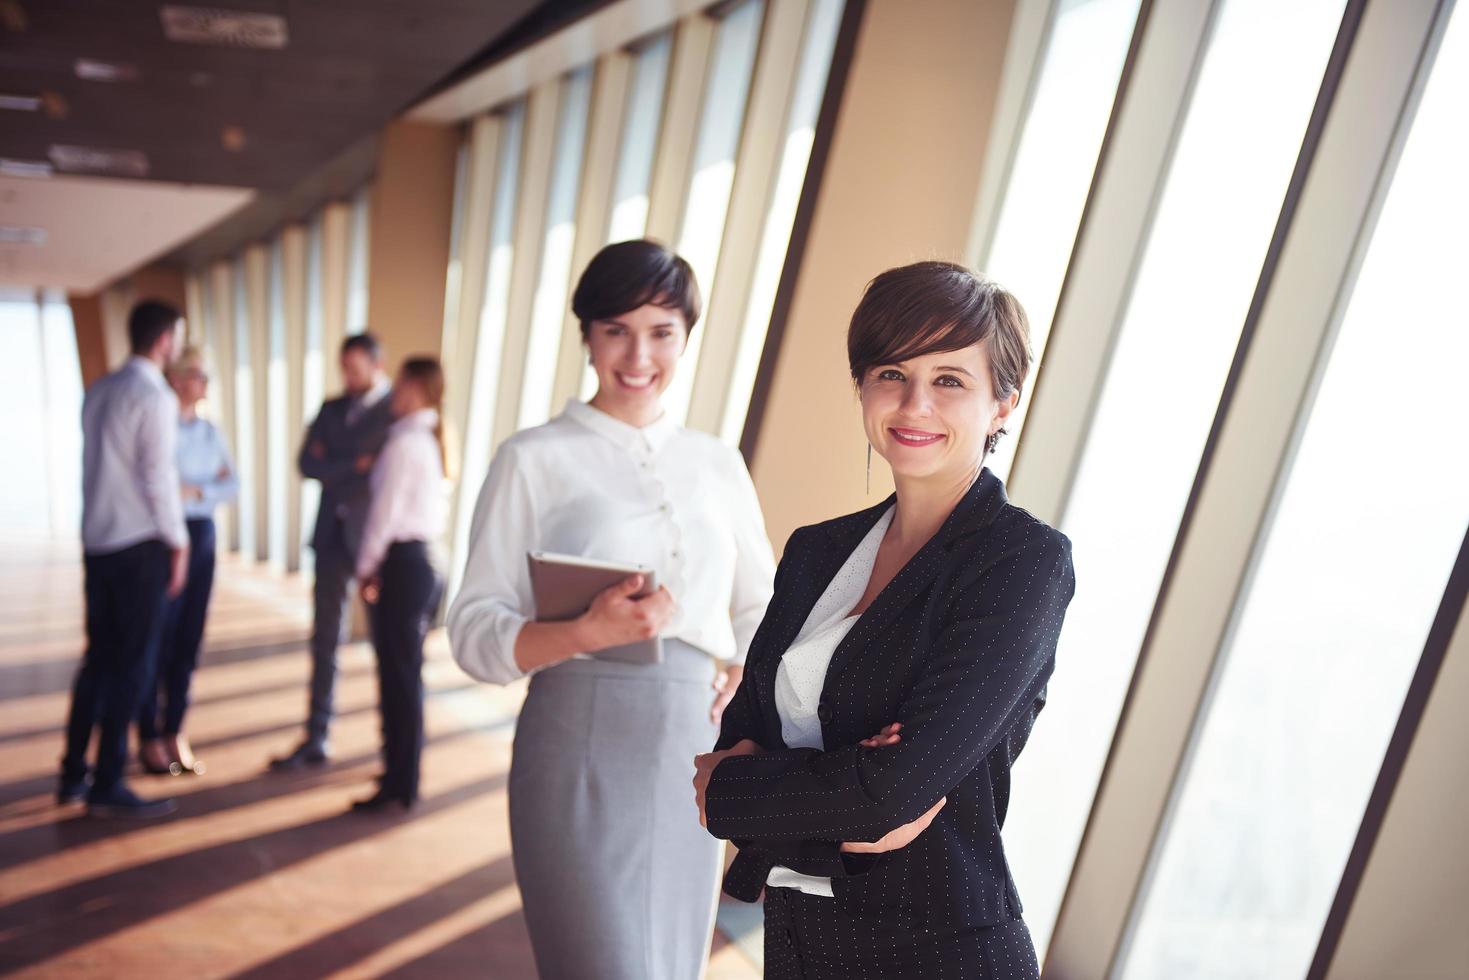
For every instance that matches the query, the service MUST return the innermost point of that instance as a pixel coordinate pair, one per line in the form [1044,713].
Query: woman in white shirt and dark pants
[617,877]
[400,579]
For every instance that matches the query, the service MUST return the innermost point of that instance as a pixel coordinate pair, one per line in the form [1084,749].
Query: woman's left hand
[371,589]
[704,766]
[726,682]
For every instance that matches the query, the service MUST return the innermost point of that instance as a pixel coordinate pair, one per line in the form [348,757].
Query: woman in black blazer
[863,768]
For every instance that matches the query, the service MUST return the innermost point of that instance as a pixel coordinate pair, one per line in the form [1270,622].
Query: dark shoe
[119,802]
[382,802]
[72,790]
[152,761]
[312,754]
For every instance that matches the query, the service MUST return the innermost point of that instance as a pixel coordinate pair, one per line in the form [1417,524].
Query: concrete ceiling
[95,230]
[266,95]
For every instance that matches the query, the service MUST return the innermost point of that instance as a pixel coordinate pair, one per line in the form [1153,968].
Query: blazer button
[823,713]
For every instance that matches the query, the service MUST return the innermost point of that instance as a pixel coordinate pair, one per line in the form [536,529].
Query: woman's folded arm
[986,667]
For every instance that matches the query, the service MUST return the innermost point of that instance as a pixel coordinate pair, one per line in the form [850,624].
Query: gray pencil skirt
[618,880]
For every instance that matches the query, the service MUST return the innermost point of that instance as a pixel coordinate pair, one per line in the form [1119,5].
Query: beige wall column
[220,350]
[412,212]
[256,267]
[761,144]
[900,184]
[461,336]
[336,222]
[536,159]
[86,320]
[692,42]
[1408,916]
[594,205]
[194,308]
[293,287]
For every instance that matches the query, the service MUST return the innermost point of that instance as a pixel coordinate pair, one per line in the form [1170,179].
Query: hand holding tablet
[628,606]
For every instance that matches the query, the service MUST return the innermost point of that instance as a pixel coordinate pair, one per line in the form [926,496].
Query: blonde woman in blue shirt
[206,480]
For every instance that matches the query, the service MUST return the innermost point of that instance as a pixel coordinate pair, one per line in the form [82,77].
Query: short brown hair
[428,373]
[930,307]
[624,276]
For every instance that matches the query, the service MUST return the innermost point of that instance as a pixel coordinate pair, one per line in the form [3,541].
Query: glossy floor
[257,874]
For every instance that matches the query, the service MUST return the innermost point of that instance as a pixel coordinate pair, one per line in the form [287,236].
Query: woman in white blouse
[400,580]
[617,877]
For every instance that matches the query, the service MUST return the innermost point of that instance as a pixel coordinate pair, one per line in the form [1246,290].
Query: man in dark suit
[339,451]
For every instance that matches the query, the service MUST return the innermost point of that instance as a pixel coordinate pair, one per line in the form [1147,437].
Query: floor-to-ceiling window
[1196,276]
[1369,521]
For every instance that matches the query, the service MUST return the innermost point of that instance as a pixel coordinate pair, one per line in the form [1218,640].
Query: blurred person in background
[135,555]
[207,475]
[399,576]
[339,451]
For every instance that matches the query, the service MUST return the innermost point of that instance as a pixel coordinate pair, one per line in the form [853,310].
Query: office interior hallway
[258,874]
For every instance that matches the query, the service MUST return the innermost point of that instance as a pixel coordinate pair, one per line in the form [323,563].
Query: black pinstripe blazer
[958,647]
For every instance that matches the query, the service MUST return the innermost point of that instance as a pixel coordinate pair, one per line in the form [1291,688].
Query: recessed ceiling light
[22,235]
[233,28]
[93,70]
[91,160]
[55,105]
[24,168]
[20,103]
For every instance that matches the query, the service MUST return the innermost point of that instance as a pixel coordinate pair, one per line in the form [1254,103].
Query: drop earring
[869,469]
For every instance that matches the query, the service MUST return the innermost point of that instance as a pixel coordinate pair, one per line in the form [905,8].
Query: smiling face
[635,355]
[929,416]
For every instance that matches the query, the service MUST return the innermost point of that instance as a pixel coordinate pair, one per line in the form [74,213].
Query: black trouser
[332,598]
[178,646]
[409,594]
[807,937]
[125,593]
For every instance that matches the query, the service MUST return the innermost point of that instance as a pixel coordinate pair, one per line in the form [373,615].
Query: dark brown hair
[625,276]
[367,343]
[931,307]
[149,320]
[428,374]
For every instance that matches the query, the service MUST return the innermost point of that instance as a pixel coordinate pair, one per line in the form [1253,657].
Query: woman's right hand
[901,837]
[616,618]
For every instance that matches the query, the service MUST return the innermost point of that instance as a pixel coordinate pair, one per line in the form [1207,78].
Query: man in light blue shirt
[135,550]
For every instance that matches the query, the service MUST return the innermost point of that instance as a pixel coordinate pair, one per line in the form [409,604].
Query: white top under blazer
[668,498]
[802,672]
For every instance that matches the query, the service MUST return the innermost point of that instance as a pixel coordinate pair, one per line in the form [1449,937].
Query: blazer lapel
[980,505]
[817,564]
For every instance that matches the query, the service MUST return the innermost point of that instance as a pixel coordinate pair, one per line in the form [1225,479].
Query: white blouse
[408,491]
[802,672]
[677,501]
